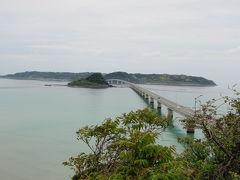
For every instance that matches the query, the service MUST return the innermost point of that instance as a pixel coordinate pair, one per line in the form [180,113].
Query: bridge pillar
[138,92]
[151,101]
[190,127]
[146,97]
[159,107]
[170,113]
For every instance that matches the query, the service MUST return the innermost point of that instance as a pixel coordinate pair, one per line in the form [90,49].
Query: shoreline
[164,84]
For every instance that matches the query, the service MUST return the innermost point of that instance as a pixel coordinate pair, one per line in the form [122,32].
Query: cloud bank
[196,37]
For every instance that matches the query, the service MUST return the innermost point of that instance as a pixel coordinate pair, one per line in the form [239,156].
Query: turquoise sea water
[38,123]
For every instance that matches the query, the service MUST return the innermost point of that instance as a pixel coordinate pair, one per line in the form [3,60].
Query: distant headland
[138,78]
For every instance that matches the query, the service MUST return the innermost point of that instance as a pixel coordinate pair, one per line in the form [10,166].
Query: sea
[38,123]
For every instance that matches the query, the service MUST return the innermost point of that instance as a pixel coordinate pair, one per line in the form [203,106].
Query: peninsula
[95,80]
[137,78]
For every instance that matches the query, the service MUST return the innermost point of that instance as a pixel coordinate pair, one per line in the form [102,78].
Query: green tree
[217,156]
[94,80]
[126,148]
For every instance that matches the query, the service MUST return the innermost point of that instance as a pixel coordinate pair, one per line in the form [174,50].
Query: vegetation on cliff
[126,148]
[95,80]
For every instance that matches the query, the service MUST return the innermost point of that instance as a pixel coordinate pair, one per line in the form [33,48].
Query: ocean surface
[38,123]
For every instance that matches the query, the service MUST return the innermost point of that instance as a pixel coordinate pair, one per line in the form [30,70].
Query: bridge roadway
[172,106]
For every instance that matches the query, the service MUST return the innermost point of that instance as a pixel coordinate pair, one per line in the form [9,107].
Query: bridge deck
[185,111]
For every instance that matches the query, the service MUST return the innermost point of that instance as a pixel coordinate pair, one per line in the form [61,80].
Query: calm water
[38,123]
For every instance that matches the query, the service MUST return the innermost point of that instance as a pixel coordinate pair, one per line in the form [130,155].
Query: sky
[193,37]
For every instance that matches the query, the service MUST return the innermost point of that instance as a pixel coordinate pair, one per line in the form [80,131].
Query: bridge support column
[190,127]
[146,97]
[138,92]
[170,113]
[151,101]
[159,107]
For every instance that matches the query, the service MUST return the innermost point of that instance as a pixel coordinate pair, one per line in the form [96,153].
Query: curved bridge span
[153,97]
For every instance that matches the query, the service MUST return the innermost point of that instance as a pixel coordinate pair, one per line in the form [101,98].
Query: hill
[95,80]
[162,79]
[36,75]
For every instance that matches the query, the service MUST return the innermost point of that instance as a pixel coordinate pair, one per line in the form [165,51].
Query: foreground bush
[217,156]
[126,148]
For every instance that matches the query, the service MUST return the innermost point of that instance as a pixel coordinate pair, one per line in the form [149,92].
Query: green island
[138,78]
[95,80]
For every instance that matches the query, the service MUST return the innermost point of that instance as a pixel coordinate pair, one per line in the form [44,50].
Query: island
[95,80]
[137,78]
[161,79]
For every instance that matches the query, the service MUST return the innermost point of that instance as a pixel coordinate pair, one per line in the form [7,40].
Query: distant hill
[36,75]
[163,79]
[95,80]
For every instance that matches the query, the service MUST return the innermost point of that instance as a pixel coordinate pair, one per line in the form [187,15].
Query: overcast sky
[193,37]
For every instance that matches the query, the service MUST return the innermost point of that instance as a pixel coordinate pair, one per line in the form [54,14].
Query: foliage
[94,80]
[126,148]
[217,156]
[160,79]
[48,75]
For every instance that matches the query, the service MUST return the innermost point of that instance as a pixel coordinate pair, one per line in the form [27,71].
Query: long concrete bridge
[152,97]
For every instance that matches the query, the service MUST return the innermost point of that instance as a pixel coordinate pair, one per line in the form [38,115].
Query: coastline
[92,87]
[67,81]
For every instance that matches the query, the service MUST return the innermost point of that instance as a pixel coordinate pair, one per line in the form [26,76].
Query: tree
[217,156]
[126,148]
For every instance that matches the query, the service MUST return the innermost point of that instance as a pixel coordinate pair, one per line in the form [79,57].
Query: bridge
[152,97]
